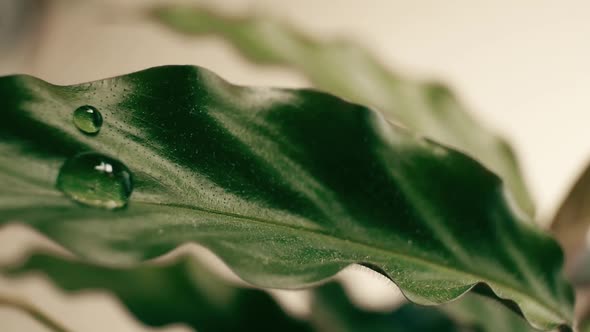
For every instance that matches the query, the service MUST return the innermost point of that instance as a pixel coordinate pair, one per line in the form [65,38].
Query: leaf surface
[349,71]
[286,186]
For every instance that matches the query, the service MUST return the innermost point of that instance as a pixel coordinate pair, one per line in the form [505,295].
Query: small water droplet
[88,119]
[94,179]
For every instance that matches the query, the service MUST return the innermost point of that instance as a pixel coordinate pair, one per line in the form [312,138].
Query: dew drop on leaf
[87,119]
[96,180]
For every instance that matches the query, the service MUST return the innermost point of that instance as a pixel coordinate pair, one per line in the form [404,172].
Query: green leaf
[286,186]
[347,70]
[184,292]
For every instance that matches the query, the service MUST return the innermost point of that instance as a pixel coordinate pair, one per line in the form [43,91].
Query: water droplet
[97,180]
[88,119]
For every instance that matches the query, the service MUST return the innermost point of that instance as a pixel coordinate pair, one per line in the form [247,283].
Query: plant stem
[32,311]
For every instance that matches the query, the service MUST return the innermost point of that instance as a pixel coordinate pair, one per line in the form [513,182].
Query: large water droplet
[97,180]
[88,119]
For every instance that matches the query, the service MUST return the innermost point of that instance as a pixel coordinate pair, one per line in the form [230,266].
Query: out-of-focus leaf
[472,312]
[570,226]
[348,70]
[582,313]
[286,186]
[572,222]
[184,292]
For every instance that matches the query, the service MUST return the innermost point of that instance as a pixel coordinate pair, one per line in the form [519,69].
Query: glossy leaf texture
[286,186]
[186,292]
[349,71]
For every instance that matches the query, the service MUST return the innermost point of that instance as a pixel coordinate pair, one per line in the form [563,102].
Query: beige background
[523,67]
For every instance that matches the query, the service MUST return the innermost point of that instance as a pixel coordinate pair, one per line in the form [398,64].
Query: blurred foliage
[186,292]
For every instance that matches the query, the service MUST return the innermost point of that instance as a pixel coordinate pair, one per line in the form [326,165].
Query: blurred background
[521,67]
